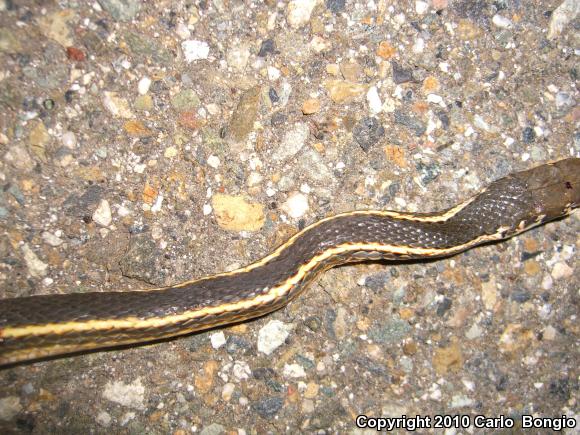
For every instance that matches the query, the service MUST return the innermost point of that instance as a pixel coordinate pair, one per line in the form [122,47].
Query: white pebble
[296,205]
[206,209]
[421,7]
[270,192]
[547,282]
[237,57]
[217,340]
[273,73]
[51,239]
[241,370]
[419,46]
[36,267]
[375,103]
[182,31]
[123,211]
[143,86]
[213,161]
[562,270]
[501,21]
[298,12]
[434,98]
[69,139]
[294,371]
[195,50]
[102,215]
[227,391]
[254,179]
[158,202]
[272,336]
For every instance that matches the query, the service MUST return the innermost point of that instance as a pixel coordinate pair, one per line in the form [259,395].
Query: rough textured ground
[143,143]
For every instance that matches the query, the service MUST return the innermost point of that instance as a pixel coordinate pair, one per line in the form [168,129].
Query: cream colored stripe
[442,217]
[244,305]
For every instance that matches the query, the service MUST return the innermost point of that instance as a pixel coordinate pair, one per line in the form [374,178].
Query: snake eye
[568,185]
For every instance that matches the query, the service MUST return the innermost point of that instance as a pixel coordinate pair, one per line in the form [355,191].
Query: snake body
[50,325]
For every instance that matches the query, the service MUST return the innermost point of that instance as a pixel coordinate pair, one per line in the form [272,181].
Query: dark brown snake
[42,326]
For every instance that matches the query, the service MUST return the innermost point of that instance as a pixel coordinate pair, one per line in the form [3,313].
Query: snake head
[555,187]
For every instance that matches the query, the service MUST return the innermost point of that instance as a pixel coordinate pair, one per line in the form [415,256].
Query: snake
[48,326]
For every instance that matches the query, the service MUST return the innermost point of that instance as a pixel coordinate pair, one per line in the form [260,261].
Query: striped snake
[43,326]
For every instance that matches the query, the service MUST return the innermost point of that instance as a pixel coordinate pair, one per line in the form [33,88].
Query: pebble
[19,157]
[375,103]
[501,21]
[268,407]
[102,215]
[185,100]
[272,335]
[244,116]
[136,128]
[195,50]
[69,139]
[298,12]
[104,418]
[268,47]
[367,132]
[473,332]
[217,339]
[335,6]
[292,142]
[121,10]
[550,333]
[562,16]
[310,106]
[143,102]
[51,239]
[254,179]
[9,43]
[386,50]
[414,124]
[400,74]
[118,107]
[341,91]
[144,85]
[561,271]
[127,395]
[296,205]
[393,331]
[227,391]
[237,57]
[170,152]
[10,407]
[213,161]
[205,381]
[313,166]
[293,371]
[56,26]
[515,338]
[213,429]
[448,358]
[435,99]
[273,73]
[421,7]
[38,139]
[36,267]
[241,371]
[234,213]
[461,401]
